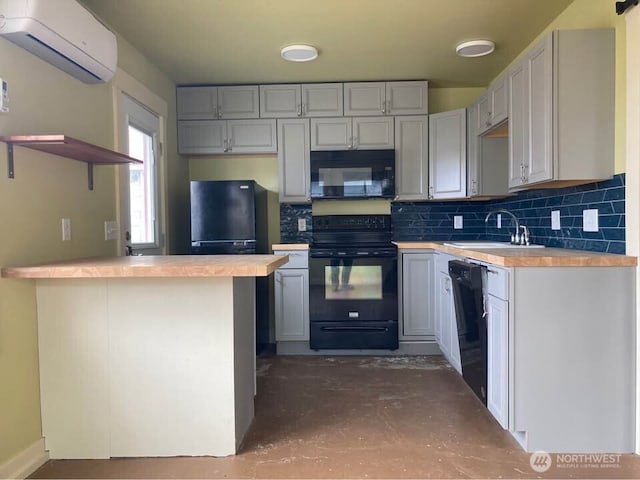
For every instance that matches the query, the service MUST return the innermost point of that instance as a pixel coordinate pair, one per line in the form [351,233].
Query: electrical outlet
[499,220]
[302,224]
[555,220]
[66,229]
[590,220]
[457,222]
[111,230]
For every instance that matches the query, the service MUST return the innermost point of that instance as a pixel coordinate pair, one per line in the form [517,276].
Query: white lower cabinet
[292,297]
[446,329]
[498,359]
[416,285]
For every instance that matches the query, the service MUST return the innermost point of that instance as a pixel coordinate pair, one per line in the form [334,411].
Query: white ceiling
[239,41]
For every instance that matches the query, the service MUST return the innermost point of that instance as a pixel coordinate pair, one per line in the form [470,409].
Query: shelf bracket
[10,171]
[90,174]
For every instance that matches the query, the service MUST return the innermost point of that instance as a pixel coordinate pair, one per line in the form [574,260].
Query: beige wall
[47,188]
[444,99]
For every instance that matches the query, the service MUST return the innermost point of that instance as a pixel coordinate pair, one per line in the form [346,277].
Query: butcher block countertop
[154,266]
[290,246]
[530,257]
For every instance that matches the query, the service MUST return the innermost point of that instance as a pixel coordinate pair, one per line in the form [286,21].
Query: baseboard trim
[25,462]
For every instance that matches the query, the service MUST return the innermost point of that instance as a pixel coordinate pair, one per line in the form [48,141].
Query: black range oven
[353,284]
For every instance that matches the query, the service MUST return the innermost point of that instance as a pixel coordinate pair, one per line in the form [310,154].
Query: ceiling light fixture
[475,48]
[299,53]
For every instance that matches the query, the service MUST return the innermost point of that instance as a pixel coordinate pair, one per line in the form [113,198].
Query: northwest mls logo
[540,461]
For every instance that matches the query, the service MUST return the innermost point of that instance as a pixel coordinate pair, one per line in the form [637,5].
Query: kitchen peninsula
[147,356]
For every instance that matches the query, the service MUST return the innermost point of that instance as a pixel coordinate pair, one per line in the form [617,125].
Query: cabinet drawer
[297,258]
[498,282]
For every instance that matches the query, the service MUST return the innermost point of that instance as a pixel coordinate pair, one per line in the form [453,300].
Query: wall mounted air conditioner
[63,33]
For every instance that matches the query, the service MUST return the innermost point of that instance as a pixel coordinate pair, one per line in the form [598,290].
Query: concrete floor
[358,417]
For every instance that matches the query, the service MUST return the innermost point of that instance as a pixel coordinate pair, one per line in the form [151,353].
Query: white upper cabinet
[561,109]
[210,103]
[294,160]
[241,101]
[448,154]
[322,99]
[407,98]
[344,133]
[306,100]
[385,98]
[202,137]
[412,157]
[493,106]
[280,101]
[197,103]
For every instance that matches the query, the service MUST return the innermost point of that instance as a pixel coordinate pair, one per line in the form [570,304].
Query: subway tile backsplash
[434,220]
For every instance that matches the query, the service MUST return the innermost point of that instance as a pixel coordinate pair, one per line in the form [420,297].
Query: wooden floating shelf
[68,147]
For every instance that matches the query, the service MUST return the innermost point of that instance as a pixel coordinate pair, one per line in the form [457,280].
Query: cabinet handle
[384,108]
[304,109]
[355,143]
[474,186]
[231,144]
[522,172]
[430,196]
[494,272]
[350,145]
[299,109]
[219,113]
[226,146]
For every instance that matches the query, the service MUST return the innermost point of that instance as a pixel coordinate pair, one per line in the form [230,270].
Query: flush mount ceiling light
[299,53]
[475,48]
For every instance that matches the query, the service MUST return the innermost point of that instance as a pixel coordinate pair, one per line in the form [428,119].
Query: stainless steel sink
[479,244]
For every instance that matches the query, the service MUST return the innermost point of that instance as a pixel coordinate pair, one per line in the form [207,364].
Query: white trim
[125,83]
[632,168]
[26,462]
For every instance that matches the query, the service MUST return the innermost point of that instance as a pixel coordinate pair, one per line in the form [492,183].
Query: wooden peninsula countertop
[154,266]
[529,257]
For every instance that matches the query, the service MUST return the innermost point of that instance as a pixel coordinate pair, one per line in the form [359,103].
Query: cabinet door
[252,136]
[202,136]
[499,100]
[498,359]
[518,123]
[372,133]
[197,103]
[448,154]
[364,98]
[412,157]
[293,160]
[322,99]
[280,101]
[417,295]
[483,119]
[240,101]
[540,62]
[444,300]
[407,98]
[331,134]
[473,152]
[292,304]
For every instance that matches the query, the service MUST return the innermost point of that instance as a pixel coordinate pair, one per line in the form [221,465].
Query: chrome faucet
[515,238]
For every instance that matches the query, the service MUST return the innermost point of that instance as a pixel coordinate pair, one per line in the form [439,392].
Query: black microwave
[353,174]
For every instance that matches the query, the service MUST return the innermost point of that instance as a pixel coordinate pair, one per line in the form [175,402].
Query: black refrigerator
[229,217]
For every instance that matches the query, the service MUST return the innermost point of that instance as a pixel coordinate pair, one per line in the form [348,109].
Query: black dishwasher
[466,279]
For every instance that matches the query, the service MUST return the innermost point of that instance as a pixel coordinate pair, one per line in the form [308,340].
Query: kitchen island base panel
[405,348]
[573,359]
[146,367]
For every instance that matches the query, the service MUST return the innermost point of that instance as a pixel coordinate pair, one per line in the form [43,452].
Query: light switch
[302,224]
[111,230]
[66,229]
[457,222]
[590,220]
[555,220]
[499,220]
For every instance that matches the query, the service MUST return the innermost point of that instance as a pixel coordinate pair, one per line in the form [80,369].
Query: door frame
[125,83]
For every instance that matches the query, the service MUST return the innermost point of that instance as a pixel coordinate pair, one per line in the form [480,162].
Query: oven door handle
[354,329]
[383,254]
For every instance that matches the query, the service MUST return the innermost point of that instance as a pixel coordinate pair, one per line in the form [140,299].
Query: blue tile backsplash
[434,220]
